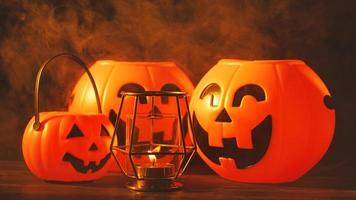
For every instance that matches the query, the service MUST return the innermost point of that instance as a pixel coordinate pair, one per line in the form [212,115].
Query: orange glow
[45,150]
[112,76]
[214,100]
[262,121]
[65,146]
[152,157]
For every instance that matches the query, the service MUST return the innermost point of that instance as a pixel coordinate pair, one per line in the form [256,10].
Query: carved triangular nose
[93,147]
[155,110]
[223,117]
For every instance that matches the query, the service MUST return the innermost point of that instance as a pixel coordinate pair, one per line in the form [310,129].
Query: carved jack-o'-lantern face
[79,164]
[244,148]
[69,147]
[113,77]
[257,121]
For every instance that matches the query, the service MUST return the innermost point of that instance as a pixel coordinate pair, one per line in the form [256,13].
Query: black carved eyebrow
[168,87]
[251,89]
[214,90]
[133,87]
[75,132]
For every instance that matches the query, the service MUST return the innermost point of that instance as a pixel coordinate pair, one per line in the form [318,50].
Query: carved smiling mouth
[243,158]
[78,164]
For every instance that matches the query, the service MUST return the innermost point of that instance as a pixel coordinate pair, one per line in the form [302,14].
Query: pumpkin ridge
[226,96]
[104,88]
[148,69]
[43,138]
[26,143]
[35,150]
[280,86]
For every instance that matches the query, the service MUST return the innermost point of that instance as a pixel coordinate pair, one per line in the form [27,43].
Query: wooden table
[16,182]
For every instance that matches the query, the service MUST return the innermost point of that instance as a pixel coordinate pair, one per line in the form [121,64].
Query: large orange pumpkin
[62,146]
[113,77]
[262,121]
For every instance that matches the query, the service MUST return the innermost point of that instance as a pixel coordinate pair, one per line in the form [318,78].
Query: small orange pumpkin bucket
[65,146]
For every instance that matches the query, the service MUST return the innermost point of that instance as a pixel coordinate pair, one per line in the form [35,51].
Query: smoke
[194,34]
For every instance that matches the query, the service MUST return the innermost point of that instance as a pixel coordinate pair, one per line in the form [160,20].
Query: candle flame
[153,158]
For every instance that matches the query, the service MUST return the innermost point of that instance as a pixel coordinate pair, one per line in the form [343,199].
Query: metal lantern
[152,144]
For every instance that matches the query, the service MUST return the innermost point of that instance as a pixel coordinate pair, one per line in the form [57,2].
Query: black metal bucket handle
[37,124]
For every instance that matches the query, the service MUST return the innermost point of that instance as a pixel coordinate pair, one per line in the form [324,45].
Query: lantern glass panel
[156,143]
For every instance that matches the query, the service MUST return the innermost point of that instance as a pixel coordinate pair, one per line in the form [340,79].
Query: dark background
[194,34]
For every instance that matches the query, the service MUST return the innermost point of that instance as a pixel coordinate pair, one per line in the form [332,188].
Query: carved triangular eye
[133,87]
[104,131]
[75,132]
[168,87]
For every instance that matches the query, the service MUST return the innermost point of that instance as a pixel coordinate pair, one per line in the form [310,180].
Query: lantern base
[154,185]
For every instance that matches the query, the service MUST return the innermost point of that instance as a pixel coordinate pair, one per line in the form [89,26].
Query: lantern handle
[37,124]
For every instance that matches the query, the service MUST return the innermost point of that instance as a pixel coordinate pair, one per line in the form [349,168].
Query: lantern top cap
[154,93]
[138,63]
[239,61]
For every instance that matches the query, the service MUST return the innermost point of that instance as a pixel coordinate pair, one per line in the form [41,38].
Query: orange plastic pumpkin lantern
[262,121]
[113,77]
[64,146]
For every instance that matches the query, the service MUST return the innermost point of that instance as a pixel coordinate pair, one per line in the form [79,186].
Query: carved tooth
[228,163]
